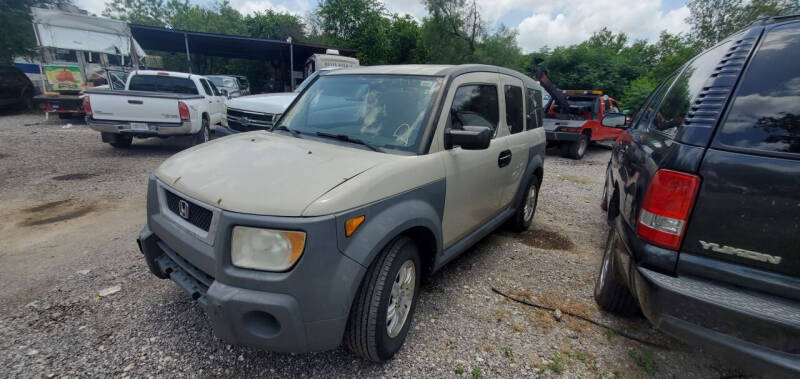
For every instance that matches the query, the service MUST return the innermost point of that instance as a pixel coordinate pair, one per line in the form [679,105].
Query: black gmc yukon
[703,200]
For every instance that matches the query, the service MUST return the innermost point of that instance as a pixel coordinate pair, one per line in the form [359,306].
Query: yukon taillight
[87,106]
[183,110]
[666,208]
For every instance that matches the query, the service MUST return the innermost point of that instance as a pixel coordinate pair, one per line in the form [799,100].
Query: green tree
[713,20]
[17,38]
[452,30]
[501,49]
[637,92]
[355,23]
[275,25]
[405,40]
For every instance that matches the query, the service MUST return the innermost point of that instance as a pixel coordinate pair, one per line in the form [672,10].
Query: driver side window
[475,105]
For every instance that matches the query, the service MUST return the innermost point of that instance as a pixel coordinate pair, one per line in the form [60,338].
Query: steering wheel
[402,136]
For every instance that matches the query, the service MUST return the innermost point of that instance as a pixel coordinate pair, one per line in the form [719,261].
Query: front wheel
[526,207]
[382,310]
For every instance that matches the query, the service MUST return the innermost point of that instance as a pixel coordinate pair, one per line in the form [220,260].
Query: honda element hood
[264,173]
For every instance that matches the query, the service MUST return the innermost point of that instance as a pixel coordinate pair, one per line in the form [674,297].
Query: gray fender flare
[383,223]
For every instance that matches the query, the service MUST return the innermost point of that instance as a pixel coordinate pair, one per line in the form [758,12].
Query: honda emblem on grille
[183,209]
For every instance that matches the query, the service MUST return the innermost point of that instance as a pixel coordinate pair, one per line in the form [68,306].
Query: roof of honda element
[427,70]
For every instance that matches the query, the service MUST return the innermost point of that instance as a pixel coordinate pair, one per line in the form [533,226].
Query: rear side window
[648,110]
[678,100]
[206,87]
[514,109]
[475,105]
[765,112]
[533,100]
[159,83]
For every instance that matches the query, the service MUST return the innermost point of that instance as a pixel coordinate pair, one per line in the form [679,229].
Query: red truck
[580,124]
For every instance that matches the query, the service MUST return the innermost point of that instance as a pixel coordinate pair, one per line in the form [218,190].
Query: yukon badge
[756,256]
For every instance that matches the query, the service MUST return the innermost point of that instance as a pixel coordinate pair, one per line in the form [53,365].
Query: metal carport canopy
[226,45]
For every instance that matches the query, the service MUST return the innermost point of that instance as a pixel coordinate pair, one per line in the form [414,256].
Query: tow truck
[572,130]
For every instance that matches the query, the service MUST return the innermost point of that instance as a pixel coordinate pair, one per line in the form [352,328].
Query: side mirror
[469,138]
[225,92]
[615,120]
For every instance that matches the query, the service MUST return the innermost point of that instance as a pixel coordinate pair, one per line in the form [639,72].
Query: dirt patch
[75,176]
[577,179]
[55,211]
[545,239]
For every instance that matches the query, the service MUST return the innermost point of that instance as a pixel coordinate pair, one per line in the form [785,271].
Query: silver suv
[319,232]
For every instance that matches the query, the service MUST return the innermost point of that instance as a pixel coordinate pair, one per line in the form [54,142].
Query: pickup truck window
[765,114]
[206,87]
[475,105]
[214,89]
[514,109]
[158,83]
[672,110]
[387,111]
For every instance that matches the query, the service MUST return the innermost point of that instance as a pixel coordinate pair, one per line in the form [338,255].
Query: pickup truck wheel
[122,142]
[384,305]
[203,135]
[577,149]
[526,208]
[610,291]
[27,101]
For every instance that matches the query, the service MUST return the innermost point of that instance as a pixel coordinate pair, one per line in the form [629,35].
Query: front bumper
[154,129]
[758,331]
[302,310]
[561,136]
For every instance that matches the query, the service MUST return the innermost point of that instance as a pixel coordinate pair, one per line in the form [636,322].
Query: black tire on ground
[203,135]
[122,142]
[27,101]
[577,149]
[65,116]
[519,222]
[604,200]
[367,332]
[610,291]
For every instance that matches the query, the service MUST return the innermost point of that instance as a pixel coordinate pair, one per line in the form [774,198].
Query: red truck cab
[581,125]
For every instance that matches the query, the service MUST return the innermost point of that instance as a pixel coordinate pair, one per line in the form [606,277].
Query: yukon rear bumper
[153,129]
[759,332]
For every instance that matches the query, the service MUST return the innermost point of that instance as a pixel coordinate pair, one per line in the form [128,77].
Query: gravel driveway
[72,207]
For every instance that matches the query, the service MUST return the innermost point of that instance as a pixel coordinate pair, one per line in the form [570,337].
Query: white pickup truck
[155,104]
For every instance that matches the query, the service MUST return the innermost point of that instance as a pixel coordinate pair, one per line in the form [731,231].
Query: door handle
[504,159]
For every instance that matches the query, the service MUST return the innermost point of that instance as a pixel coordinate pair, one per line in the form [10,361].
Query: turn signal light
[183,110]
[666,208]
[352,224]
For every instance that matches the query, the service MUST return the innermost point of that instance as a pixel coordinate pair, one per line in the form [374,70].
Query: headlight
[266,249]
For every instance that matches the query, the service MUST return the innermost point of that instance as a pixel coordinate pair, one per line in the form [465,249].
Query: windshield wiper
[346,138]
[281,127]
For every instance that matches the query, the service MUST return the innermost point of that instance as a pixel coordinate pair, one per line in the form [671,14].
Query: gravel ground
[73,206]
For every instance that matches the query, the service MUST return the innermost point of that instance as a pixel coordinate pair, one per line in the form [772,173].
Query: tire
[203,135]
[526,208]
[65,116]
[610,291]
[577,149]
[604,200]
[122,142]
[368,327]
[27,101]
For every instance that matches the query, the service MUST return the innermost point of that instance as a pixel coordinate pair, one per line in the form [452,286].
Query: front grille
[198,216]
[194,280]
[246,121]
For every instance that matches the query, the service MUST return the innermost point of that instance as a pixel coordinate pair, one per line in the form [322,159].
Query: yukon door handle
[504,159]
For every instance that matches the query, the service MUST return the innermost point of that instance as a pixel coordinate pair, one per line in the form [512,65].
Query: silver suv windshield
[384,111]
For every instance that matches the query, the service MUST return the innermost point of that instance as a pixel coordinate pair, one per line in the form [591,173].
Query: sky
[539,22]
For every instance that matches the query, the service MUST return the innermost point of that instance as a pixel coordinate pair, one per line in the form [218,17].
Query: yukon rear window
[159,83]
[765,113]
